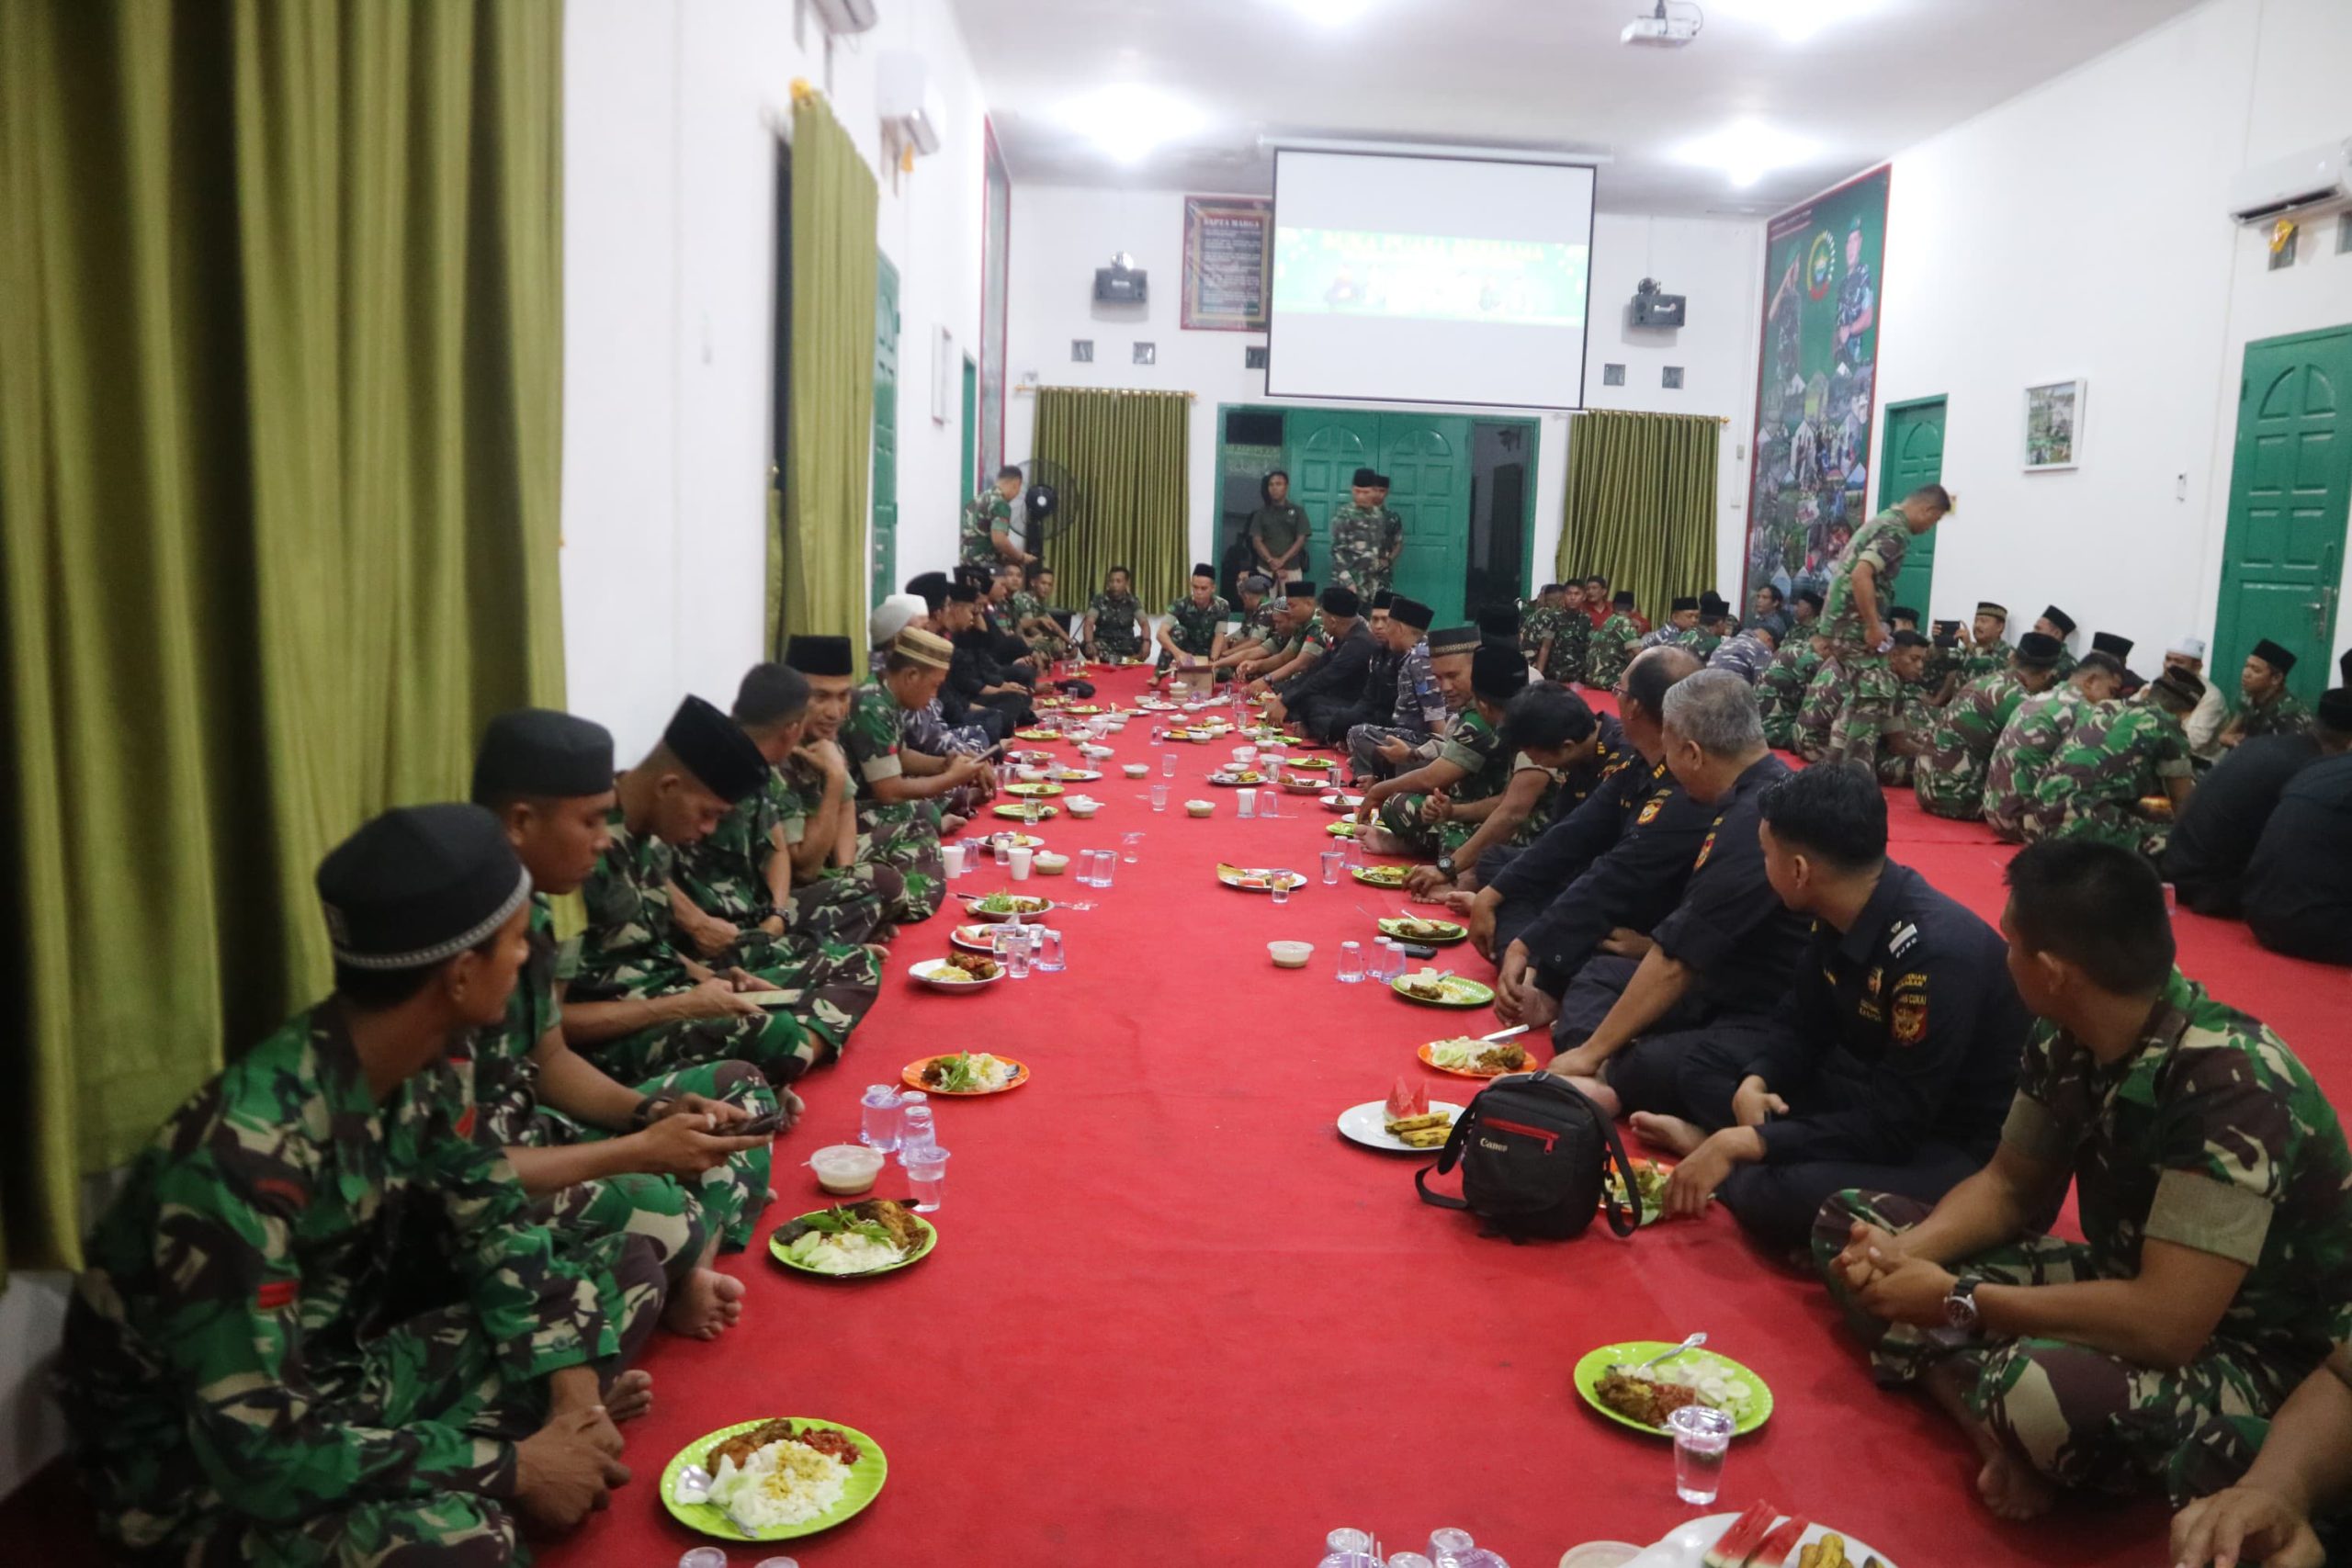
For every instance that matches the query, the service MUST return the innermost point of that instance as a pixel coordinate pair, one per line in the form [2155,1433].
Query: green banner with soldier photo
[1815,402]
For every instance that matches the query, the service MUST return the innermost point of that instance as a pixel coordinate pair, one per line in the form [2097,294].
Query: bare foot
[1600,1094]
[630,1396]
[1671,1133]
[2013,1489]
[705,1305]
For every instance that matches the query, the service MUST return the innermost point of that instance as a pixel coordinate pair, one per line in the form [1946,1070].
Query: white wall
[675,110]
[1060,234]
[2081,230]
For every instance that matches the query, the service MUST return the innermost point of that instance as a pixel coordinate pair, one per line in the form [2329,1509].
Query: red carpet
[1174,1317]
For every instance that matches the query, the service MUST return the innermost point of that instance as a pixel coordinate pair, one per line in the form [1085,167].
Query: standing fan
[1050,502]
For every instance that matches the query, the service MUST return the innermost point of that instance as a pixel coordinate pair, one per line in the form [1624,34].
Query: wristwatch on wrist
[1960,1304]
[1445,865]
[649,1109]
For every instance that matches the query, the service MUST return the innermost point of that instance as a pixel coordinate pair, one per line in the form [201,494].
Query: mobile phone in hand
[757,1127]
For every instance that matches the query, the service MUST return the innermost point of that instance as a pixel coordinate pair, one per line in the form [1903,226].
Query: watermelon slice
[1746,1532]
[1408,1099]
[1779,1543]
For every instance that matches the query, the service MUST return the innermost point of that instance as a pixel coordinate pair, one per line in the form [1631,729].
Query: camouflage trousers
[1780,727]
[1868,695]
[1817,712]
[2080,1417]
[679,1220]
[1955,790]
[1118,642]
[2103,821]
[904,838]
[438,1367]
[1400,816]
[1364,573]
[1364,749]
[825,994]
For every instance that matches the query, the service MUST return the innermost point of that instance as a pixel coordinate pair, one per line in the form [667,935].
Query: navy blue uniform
[1618,860]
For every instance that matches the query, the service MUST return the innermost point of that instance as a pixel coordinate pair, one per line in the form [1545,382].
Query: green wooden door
[969,481]
[2291,485]
[1914,456]
[1326,446]
[1426,459]
[886,429]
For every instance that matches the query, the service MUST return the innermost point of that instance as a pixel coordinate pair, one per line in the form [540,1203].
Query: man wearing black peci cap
[1195,631]
[1499,625]
[657,1159]
[1416,709]
[256,1368]
[1301,642]
[978,690]
[2055,622]
[642,1004]
[1948,777]
[2268,707]
[1332,685]
[1681,622]
[1439,807]
[2298,885]
[1985,650]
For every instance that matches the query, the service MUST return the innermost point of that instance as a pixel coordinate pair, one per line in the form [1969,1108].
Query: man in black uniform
[1725,952]
[2298,887]
[1892,1064]
[1330,687]
[1598,882]
[984,690]
[2218,830]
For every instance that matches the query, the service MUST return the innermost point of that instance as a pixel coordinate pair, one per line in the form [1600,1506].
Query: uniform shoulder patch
[1706,848]
[1650,810]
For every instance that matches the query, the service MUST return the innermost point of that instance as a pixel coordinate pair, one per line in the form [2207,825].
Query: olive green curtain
[1640,504]
[1127,501]
[280,304]
[829,445]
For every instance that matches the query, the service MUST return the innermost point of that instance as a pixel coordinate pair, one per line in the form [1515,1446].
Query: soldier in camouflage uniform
[2269,708]
[1434,809]
[2118,755]
[1033,620]
[1260,626]
[899,786]
[1861,593]
[2055,623]
[1612,644]
[1780,690]
[1987,650]
[1885,740]
[640,1004]
[1949,777]
[1365,537]
[1195,622]
[1707,634]
[1114,628]
[318,1324]
[548,778]
[1301,640]
[2215,1195]
[1561,655]
[2030,741]
[986,530]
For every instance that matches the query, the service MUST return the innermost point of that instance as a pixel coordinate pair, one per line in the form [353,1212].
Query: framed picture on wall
[2054,424]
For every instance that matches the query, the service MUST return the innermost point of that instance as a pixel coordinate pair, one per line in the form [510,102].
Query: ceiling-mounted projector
[1658,30]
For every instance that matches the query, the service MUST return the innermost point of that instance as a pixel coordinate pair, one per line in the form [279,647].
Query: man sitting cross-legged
[2215,1194]
[1892,1062]
[319,1323]
[1723,954]
[658,1160]
[641,1004]
[1437,808]
[902,787]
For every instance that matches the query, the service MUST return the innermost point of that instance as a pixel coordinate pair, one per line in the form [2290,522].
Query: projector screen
[1428,280]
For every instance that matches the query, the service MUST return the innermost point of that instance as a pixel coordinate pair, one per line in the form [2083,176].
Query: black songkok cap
[2187,689]
[1412,612]
[2333,709]
[2278,658]
[1383,600]
[818,654]
[714,750]
[1498,673]
[1302,589]
[418,885]
[1809,596]
[1454,639]
[1203,569]
[1342,601]
[2059,618]
[2107,642]
[962,592]
[1380,481]
[2038,650]
[1683,603]
[1624,599]
[1366,478]
[539,751]
[1501,621]
[1711,606]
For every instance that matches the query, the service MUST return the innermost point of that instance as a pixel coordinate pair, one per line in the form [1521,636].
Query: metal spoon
[693,1486]
[1691,1344]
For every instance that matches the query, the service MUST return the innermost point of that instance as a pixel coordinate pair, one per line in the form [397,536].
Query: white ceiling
[1523,73]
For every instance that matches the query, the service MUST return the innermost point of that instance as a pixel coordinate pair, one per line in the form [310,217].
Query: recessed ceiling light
[1747,150]
[1330,13]
[1794,20]
[1128,119]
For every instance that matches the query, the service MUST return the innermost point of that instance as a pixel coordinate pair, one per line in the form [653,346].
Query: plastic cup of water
[952,854]
[1702,1438]
[1267,799]
[1159,796]
[1016,951]
[1167,765]
[1017,865]
[1053,957]
[1332,861]
[1278,886]
[1449,1547]
[1002,845]
[927,1178]
[1130,846]
[1351,969]
[1245,802]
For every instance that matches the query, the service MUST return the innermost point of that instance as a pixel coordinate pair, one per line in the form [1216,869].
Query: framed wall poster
[2054,424]
[1228,259]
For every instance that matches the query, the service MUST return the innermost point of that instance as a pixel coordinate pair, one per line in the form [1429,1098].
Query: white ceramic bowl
[1095,751]
[845,1169]
[1199,807]
[1290,954]
[1051,864]
[1081,806]
[1137,770]
[1029,775]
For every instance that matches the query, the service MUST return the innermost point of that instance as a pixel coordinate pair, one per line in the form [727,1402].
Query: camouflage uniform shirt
[1606,659]
[1361,540]
[1880,543]
[218,1347]
[2285,716]
[2023,752]
[1193,627]
[1571,639]
[1116,633]
[2117,754]
[1746,656]
[982,514]
[627,951]
[1949,776]
[2210,1135]
[1990,659]
[1780,690]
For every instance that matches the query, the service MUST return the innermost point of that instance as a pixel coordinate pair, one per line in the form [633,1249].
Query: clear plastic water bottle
[916,1132]
[879,1128]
